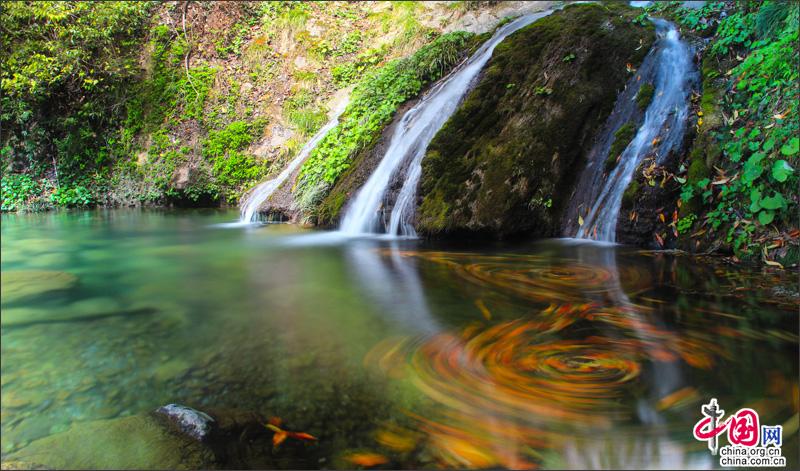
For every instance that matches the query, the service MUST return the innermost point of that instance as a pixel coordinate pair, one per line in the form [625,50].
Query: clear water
[431,355]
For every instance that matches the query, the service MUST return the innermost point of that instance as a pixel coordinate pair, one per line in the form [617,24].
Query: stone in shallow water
[79,310]
[190,421]
[135,442]
[171,369]
[17,285]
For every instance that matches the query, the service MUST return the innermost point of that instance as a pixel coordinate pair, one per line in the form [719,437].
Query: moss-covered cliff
[505,162]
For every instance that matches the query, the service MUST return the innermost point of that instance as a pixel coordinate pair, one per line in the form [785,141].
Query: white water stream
[258,195]
[663,128]
[410,140]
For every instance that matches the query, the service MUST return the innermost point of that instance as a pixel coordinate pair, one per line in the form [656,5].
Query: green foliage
[66,75]
[17,190]
[232,167]
[346,73]
[685,223]
[70,196]
[372,105]
[755,48]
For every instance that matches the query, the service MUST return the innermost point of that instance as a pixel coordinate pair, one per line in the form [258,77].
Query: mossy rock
[645,95]
[622,137]
[505,163]
[629,197]
[135,442]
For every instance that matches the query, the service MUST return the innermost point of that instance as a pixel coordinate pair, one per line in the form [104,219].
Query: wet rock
[135,442]
[19,285]
[505,163]
[10,399]
[192,422]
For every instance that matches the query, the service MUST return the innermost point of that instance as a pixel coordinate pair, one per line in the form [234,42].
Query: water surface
[552,354]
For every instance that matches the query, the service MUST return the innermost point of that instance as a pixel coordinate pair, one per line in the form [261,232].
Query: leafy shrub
[231,166]
[17,189]
[372,105]
[756,59]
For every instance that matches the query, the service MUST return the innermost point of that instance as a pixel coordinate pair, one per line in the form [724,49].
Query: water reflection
[565,383]
[400,352]
[393,282]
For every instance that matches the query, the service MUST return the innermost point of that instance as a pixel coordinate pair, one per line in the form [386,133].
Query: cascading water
[258,195]
[410,141]
[672,70]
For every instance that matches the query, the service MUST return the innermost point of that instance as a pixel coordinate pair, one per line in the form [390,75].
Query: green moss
[631,193]
[505,161]
[372,106]
[645,96]
[622,137]
[434,212]
[329,209]
[697,166]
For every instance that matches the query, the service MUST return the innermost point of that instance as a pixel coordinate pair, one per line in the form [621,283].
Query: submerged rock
[506,161]
[86,310]
[135,442]
[18,285]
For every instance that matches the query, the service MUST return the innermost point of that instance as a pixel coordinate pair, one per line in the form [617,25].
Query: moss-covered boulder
[135,442]
[506,161]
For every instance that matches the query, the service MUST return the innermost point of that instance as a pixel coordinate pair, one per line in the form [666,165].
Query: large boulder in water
[506,162]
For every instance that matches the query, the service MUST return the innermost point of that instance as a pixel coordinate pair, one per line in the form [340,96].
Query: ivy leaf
[755,198]
[781,170]
[766,217]
[791,147]
[768,145]
[753,168]
[775,201]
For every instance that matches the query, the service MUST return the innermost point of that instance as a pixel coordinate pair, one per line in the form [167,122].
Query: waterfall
[410,140]
[258,195]
[671,67]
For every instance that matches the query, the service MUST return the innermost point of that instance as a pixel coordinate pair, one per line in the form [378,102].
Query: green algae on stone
[505,162]
[645,95]
[135,442]
[622,137]
[18,285]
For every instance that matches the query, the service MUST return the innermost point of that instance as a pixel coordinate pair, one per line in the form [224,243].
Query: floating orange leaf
[278,438]
[301,436]
[281,435]
[367,459]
